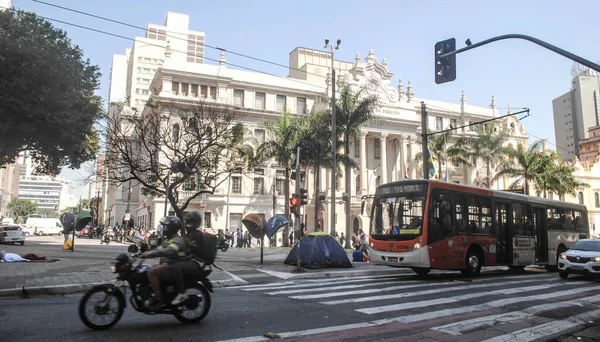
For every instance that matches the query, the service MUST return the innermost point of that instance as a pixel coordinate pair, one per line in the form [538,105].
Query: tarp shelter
[318,250]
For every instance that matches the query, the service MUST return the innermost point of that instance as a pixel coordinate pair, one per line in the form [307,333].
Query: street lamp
[333,131]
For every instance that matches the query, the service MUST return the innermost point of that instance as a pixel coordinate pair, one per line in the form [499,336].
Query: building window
[213,93]
[259,100]
[376,148]
[207,219]
[597,199]
[259,134]
[453,123]
[195,49]
[176,133]
[378,181]
[301,105]
[238,97]
[281,103]
[439,123]
[203,91]
[235,221]
[236,184]
[194,90]
[175,88]
[356,148]
[259,185]
[580,196]
[279,181]
[184,89]
[357,185]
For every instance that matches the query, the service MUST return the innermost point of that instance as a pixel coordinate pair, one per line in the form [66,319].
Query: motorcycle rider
[172,252]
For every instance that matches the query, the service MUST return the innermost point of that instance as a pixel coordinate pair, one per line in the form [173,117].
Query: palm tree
[561,180]
[487,145]
[353,110]
[283,137]
[438,147]
[314,133]
[525,165]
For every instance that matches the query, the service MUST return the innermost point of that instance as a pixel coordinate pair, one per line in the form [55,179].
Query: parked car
[12,234]
[582,258]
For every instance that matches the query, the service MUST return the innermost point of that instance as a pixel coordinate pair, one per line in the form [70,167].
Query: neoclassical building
[385,151]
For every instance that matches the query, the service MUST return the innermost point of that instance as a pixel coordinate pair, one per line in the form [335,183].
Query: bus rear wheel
[472,264]
[421,270]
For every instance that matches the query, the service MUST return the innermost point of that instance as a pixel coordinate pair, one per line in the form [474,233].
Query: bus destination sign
[398,189]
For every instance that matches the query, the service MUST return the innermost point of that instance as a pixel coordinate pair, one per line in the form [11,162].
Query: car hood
[586,254]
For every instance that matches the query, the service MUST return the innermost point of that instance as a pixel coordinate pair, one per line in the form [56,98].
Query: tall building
[385,152]
[575,112]
[9,186]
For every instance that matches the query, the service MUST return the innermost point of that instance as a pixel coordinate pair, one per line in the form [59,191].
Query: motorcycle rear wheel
[109,314]
[196,308]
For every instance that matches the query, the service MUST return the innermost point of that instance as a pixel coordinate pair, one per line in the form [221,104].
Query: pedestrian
[239,238]
[342,240]
[292,237]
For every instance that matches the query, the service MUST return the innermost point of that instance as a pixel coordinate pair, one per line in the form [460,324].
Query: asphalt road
[500,306]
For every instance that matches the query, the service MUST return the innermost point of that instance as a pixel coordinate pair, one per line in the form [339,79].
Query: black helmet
[171,226]
[193,220]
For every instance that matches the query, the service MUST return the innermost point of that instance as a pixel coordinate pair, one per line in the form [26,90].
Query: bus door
[541,235]
[503,220]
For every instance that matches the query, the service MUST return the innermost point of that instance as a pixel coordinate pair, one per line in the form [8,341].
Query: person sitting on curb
[358,255]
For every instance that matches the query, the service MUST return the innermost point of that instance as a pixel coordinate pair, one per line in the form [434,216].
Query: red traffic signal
[295,204]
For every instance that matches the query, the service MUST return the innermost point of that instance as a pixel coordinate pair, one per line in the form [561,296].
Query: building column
[383,145]
[413,171]
[397,175]
[363,163]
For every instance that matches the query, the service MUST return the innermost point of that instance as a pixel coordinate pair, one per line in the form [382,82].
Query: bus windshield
[398,217]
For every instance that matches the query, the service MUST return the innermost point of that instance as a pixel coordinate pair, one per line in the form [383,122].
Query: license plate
[393,259]
[576,267]
[14,239]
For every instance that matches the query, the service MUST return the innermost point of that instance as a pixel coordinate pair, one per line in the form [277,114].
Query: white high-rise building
[575,112]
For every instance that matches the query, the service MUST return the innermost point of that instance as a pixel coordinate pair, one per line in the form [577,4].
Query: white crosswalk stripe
[499,301]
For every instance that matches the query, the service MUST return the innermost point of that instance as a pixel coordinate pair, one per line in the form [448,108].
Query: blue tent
[318,250]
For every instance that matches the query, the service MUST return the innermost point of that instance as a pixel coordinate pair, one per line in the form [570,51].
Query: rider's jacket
[172,250]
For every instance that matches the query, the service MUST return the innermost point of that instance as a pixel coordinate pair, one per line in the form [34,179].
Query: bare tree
[180,149]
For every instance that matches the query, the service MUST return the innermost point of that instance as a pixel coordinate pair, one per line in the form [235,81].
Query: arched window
[597,199]
[580,196]
[357,184]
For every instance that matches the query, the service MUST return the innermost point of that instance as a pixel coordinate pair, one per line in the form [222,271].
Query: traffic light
[322,196]
[294,204]
[303,196]
[445,68]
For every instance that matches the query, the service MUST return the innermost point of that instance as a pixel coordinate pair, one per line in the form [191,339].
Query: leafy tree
[525,165]
[21,208]
[177,150]
[558,177]
[47,96]
[487,145]
[354,109]
[282,138]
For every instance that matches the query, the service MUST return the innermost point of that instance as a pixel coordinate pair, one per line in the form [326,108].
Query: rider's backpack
[203,246]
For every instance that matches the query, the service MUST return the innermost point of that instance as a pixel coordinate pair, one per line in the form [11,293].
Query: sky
[402,31]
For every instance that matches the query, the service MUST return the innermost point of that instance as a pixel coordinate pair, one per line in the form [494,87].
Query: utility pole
[333,132]
[297,218]
[424,136]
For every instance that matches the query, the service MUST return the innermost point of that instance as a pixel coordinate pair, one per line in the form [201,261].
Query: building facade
[385,151]
[590,147]
[575,112]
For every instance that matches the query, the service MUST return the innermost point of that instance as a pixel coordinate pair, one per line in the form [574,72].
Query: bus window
[480,215]
[580,222]
[398,217]
[440,222]
[522,220]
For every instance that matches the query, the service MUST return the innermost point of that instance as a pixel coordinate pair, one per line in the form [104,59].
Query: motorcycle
[223,245]
[105,311]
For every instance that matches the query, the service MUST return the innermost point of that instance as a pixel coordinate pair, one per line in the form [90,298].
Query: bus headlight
[562,256]
[372,246]
[415,246]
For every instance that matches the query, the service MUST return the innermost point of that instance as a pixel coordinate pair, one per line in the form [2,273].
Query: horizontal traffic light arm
[541,43]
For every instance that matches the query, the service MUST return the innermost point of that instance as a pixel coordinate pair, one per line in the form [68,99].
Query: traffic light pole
[443,57]
[424,123]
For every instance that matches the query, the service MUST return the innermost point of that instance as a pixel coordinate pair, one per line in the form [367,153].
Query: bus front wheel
[421,270]
[472,264]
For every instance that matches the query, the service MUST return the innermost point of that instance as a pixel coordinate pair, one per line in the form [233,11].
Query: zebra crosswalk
[524,307]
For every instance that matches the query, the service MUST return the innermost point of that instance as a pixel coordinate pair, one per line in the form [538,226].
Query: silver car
[12,234]
[582,258]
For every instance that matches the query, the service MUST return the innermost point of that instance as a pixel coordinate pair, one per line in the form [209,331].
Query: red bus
[429,224]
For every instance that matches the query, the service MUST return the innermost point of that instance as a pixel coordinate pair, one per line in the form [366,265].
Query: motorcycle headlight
[113,268]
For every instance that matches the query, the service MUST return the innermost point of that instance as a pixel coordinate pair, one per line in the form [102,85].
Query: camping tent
[318,250]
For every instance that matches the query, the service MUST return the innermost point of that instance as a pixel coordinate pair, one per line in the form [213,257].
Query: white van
[44,226]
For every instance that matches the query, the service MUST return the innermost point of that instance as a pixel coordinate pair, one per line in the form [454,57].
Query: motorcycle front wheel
[101,307]
[196,307]
[224,247]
